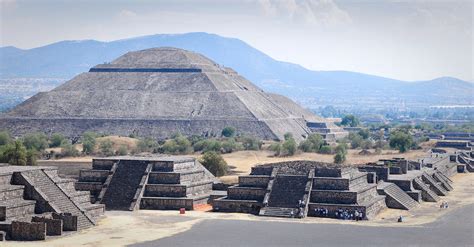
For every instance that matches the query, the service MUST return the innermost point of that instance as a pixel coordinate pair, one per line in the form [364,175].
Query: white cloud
[125,13]
[313,12]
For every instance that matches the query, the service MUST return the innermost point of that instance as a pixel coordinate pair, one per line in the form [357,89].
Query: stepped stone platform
[131,183]
[302,188]
[424,180]
[160,91]
[35,203]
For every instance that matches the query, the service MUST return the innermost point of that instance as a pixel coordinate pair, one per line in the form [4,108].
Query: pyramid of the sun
[156,93]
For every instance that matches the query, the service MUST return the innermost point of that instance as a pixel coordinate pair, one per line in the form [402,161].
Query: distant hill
[66,59]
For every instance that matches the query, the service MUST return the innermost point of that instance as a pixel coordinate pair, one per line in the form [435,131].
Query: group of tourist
[323,212]
[444,205]
[345,214]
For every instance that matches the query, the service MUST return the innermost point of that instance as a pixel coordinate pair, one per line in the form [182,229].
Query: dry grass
[119,141]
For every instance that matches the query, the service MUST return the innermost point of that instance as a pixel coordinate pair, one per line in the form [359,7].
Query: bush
[146,145]
[325,149]
[356,140]
[214,162]
[88,142]
[364,133]
[276,148]
[5,138]
[287,135]
[178,145]
[230,145]
[341,148]
[207,145]
[289,147]
[228,132]
[251,143]
[366,144]
[106,148]
[312,144]
[339,158]
[68,150]
[37,141]
[56,140]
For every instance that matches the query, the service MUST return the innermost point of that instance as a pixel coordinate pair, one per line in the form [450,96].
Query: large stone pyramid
[158,92]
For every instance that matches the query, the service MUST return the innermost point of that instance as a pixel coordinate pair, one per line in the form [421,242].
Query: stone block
[28,231]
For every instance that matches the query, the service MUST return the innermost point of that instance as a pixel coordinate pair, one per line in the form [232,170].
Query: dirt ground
[123,228]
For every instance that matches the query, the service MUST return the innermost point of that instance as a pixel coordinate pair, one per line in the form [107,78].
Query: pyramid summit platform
[161,91]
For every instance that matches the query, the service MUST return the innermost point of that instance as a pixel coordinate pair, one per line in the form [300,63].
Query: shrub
[341,148]
[37,141]
[251,143]
[276,148]
[5,138]
[339,158]
[146,145]
[230,145]
[214,162]
[364,133]
[325,149]
[68,150]
[312,143]
[207,145]
[289,147]
[106,148]
[56,140]
[356,140]
[88,142]
[228,132]
[287,135]
[178,145]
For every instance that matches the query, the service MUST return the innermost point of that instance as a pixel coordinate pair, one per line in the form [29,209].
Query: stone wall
[246,193]
[54,227]
[26,231]
[329,183]
[254,181]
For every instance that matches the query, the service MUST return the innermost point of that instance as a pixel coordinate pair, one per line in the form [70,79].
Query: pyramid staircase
[426,193]
[434,185]
[443,180]
[396,197]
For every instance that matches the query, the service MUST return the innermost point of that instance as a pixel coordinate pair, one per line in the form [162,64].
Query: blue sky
[409,40]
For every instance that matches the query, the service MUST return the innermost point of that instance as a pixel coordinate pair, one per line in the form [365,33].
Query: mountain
[66,59]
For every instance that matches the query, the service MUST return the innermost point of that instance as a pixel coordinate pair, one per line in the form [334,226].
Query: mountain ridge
[66,59]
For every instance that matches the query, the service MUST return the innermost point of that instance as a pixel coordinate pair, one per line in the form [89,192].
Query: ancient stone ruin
[35,203]
[308,188]
[158,92]
[130,183]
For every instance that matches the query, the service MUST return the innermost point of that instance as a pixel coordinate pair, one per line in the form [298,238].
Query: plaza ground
[427,225]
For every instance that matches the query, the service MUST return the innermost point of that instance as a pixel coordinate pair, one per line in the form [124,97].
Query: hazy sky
[409,40]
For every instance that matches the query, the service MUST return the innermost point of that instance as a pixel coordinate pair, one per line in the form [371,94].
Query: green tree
[5,138]
[178,145]
[350,120]
[214,162]
[88,142]
[228,131]
[56,140]
[37,141]
[341,148]
[146,145]
[15,153]
[312,144]
[401,141]
[31,157]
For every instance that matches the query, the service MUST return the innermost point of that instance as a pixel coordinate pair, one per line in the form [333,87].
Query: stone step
[427,193]
[401,199]
[17,207]
[279,212]
[434,185]
[445,183]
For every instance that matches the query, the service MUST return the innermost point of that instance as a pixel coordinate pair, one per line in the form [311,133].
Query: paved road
[452,230]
